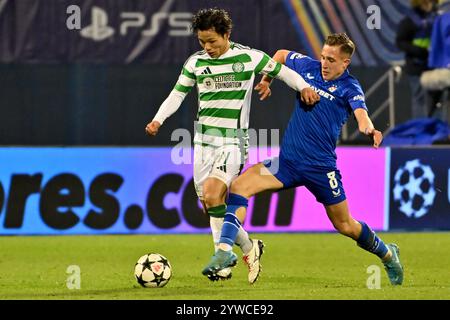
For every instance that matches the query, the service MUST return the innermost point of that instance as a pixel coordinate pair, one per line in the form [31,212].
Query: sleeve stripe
[185,81]
[275,71]
[188,74]
[181,88]
[262,64]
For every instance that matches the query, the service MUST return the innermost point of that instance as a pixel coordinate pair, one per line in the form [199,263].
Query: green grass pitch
[295,267]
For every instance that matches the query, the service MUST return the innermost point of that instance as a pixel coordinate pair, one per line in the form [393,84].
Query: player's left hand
[309,96]
[377,137]
[263,89]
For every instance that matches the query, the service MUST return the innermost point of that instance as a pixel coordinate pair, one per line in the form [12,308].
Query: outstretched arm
[167,108]
[366,127]
[184,85]
[290,77]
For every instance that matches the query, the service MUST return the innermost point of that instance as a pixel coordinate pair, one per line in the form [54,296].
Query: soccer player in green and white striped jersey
[224,73]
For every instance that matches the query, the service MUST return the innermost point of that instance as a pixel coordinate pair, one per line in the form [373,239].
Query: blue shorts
[324,183]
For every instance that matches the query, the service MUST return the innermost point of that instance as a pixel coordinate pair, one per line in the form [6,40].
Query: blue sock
[369,241]
[231,223]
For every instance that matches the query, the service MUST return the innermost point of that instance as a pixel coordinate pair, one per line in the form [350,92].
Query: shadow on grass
[126,293]
[105,294]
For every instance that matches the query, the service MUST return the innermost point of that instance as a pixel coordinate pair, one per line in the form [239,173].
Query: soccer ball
[414,188]
[152,271]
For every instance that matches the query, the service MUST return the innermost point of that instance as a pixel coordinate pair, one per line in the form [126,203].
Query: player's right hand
[152,128]
[377,137]
[309,96]
[263,89]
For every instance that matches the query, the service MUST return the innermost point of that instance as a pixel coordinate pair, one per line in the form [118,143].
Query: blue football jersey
[312,133]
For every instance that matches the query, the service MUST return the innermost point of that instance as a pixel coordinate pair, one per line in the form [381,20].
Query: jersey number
[333,181]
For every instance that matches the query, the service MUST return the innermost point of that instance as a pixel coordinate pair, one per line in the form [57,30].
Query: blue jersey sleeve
[355,96]
[297,61]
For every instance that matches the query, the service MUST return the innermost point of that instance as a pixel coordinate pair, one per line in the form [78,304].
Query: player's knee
[212,199]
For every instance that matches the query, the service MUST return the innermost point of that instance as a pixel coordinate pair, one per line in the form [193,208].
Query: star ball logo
[414,188]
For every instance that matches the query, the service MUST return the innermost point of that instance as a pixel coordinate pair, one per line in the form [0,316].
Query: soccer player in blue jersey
[307,156]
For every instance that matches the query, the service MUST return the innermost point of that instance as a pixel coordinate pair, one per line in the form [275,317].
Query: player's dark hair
[213,18]
[343,41]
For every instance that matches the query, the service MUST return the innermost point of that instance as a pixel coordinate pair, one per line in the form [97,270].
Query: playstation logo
[99,29]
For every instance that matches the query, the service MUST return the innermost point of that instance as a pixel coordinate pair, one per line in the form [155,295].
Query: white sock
[242,238]
[243,241]
[216,229]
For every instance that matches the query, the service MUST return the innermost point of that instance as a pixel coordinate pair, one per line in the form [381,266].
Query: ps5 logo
[99,29]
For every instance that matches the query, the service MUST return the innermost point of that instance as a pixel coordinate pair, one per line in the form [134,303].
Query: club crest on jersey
[238,67]
[332,89]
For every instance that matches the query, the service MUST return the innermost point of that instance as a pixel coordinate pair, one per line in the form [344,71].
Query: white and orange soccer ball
[153,270]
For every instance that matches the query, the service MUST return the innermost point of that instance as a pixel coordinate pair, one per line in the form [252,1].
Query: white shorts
[224,163]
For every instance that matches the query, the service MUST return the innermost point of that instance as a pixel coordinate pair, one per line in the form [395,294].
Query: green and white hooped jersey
[225,88]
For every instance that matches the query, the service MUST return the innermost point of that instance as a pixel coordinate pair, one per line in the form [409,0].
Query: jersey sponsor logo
[238,67]
[323,93]
[228,77]
[228,85]
[359,98]
[222,82]
[297,56]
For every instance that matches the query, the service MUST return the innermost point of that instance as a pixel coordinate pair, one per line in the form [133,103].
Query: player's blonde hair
[343,41]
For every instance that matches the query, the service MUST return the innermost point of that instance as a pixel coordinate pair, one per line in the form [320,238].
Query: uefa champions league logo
[414,188]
